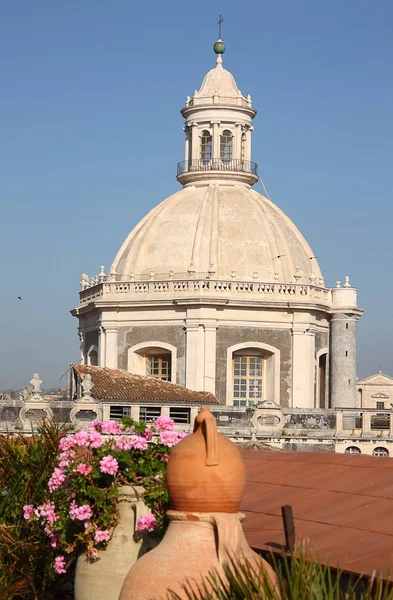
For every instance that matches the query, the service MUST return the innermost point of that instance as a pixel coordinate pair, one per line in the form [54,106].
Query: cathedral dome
[219,231]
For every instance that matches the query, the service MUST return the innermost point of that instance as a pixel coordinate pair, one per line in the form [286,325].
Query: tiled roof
[342,505]
[117,384]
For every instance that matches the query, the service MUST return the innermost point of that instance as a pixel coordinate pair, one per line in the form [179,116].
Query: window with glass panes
[226,146]
[159,366]
[247,380]
[206,146]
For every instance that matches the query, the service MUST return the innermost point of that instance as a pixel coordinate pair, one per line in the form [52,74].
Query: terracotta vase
[194,544]
[104,577]
[206,471]
[205,479]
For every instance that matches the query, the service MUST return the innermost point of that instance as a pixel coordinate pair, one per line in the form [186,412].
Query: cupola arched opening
[206,146]
[226,146]
[153,359]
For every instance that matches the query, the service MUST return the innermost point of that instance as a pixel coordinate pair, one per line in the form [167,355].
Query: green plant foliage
[299,578]
[26,464]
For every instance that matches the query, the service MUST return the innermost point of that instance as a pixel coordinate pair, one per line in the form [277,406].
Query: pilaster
[303,366]
[209,384]
[111,331]
[216,139]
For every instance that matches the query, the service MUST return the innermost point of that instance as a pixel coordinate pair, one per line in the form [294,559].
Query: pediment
[377,379]
[380,395]
[268,404]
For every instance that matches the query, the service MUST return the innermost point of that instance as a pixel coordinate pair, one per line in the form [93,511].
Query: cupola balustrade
[217,164]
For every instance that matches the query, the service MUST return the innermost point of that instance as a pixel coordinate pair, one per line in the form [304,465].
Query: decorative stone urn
[103,578]
[205,479]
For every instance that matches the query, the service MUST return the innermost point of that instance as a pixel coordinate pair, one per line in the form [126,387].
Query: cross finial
[219,22]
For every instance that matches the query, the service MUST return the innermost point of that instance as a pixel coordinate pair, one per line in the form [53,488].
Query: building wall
[169,334]
[278,338]
[91,339]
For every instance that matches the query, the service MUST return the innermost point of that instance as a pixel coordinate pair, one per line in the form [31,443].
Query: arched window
[155,359]
[92,356]
[352,450]
[206,146]
[226,146]
[243,149]
[379,451]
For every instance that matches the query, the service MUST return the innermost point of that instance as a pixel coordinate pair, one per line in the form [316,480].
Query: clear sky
[90,134]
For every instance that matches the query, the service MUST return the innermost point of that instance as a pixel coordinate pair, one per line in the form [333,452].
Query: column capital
[215,122]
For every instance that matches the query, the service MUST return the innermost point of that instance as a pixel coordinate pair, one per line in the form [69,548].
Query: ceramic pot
[104,577]
[194,544]
[206,471]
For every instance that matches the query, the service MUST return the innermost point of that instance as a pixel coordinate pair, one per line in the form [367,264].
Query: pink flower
[82,513]
[54,539]
[148,434]
[56,479]
[146,522]
[84,469]
[47,511]
[110,428]
[138,442]
[60,565]
[171,438]
[82,438]
[66,458]
[102,536]
[67,443]
[28,511]
[95,439]
[109,465]
[164,423]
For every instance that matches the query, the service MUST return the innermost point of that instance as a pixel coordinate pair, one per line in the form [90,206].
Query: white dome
[225,231]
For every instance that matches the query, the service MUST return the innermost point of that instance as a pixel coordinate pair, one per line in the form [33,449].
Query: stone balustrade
[179,288]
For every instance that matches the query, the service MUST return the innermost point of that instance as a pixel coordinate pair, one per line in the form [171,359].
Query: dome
[221,231]
[219,87]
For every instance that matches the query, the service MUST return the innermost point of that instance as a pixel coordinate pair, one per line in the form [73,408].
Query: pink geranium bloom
[84,469]
[60,565]
[82,513]
[47,511]
[95,439]
[138,442]
[102,536]
[164,423]
[110,428]
[28,511]
[56,479]
[108,465]
[146,522]
[148,434]
[82,439]
[67,443]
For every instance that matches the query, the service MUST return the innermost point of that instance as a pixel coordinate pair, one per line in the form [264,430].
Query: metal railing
[217,164]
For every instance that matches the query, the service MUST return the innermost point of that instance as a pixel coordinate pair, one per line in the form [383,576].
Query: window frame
[180,410]
[206,147]
[126,411]
[160,367]
[157,410]
[381,452]
[352,450]
[226,147]
[247,400]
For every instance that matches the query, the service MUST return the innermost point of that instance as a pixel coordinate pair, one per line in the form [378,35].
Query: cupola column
[238,141]
[187,144]
[216,139]
[194,141]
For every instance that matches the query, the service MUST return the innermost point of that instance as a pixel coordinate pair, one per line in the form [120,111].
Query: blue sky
[90,134]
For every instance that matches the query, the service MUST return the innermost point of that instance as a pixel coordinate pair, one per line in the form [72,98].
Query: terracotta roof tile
[117,384]
[342,505]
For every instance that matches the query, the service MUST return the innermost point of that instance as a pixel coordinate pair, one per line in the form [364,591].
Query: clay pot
[103,578]
[194,544]
[206,471]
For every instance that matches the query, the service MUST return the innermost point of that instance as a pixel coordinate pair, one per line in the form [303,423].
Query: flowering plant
[79,511]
